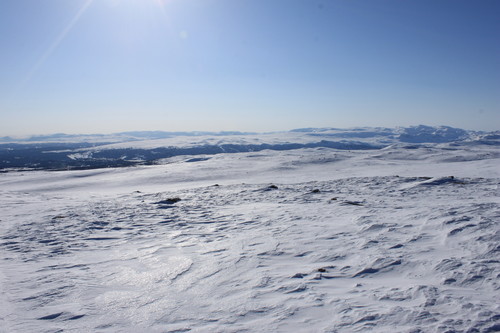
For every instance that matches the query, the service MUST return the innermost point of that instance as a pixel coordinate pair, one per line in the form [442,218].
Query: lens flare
[56,42]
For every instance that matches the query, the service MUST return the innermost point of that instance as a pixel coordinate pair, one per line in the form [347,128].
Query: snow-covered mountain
[59,152]
[393,230]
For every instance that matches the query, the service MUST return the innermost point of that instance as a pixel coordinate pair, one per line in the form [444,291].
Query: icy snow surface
[307,240]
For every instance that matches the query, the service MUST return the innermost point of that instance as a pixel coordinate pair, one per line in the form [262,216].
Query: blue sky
[101,66]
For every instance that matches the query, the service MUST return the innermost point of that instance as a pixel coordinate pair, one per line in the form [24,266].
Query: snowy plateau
[312,230]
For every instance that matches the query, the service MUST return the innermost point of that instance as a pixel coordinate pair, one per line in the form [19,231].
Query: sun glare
[48,52]
[86,4]
[160,3]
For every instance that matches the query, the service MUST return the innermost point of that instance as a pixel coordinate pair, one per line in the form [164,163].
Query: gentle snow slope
[343,242]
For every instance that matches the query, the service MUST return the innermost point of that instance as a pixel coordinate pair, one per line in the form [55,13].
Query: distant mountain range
[65,151]
[115,137]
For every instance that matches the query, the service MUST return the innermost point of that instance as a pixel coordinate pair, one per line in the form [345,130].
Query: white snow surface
[307,240]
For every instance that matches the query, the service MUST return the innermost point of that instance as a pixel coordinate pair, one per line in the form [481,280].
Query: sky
[104,66]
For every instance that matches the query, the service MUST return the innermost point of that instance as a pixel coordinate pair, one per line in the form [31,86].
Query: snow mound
[422,133]
[441,181]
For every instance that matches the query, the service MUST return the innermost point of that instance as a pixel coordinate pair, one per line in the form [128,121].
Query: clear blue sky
[100,66]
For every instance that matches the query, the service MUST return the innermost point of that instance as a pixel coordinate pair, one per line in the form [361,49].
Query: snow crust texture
[311,241]
[346,255]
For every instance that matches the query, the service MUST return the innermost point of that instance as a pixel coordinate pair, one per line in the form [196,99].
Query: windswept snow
[399,239]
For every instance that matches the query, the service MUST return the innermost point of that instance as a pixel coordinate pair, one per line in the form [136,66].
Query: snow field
[403,238]
[343,255]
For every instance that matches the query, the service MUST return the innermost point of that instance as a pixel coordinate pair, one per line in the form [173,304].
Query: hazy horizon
[49,134]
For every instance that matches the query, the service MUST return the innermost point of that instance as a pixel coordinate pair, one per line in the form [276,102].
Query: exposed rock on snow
[169,201]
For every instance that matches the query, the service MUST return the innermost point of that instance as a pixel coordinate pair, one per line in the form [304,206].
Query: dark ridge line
[56,157]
